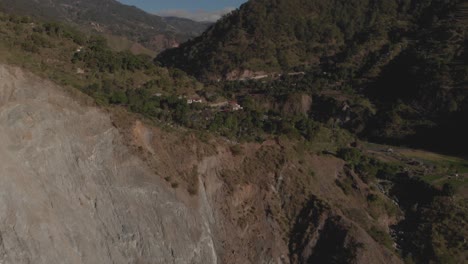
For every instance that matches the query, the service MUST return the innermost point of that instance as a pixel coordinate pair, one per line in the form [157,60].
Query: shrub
[381,236]
[448,189]
[351,155]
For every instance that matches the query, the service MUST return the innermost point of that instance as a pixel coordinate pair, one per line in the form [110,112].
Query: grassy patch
[381,237]
[448,162]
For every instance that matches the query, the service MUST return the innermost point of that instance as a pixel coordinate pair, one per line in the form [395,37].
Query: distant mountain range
[111,17]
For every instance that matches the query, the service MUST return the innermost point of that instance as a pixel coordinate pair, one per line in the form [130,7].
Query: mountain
[121,177]
[275,36]
[278,36]
[106,158]
[405,57]
[105,187]
[187,25]
[112,17]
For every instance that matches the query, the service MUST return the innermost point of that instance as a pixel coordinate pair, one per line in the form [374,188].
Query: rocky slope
[70,190]
[81,185]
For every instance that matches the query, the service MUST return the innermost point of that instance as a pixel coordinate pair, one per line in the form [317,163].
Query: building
[234,106]
[194,100]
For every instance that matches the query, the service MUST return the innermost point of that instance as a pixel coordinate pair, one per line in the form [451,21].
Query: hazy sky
[201,10]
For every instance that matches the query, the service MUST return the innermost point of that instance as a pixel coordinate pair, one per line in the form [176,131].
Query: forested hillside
[405,57]
[111,17]
[283,35]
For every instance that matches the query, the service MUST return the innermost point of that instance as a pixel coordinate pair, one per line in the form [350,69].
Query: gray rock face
[71,192]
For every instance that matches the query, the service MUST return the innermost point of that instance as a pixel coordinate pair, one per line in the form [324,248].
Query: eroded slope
[70,190]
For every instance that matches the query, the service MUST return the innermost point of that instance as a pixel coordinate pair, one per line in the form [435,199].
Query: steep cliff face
[71,192]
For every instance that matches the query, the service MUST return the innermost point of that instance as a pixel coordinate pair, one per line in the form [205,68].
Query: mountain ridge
[112,17]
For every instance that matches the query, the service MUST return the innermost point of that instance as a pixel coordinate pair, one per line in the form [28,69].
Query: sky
[200,10]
